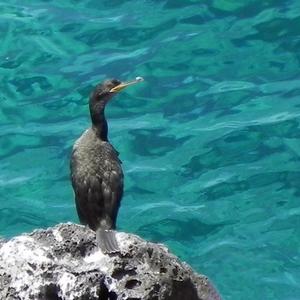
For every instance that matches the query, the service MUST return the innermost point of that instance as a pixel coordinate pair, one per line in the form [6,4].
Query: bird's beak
[123,85]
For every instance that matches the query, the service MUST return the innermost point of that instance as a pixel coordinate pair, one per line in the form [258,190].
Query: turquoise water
[209,142]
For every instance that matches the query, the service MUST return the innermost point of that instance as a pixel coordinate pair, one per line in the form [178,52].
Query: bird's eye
[115,82]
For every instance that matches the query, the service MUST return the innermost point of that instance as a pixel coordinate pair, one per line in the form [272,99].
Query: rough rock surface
[64,262]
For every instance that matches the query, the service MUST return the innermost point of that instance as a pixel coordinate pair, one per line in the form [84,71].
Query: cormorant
[96,172]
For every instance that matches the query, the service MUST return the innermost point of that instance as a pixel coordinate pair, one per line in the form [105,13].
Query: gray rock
[64,262]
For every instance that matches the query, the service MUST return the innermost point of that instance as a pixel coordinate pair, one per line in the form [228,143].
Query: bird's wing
[112,189]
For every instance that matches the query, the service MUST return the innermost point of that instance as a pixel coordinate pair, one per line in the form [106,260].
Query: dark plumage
[96,171]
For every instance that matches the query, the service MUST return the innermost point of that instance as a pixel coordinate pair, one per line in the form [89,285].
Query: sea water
[210,141]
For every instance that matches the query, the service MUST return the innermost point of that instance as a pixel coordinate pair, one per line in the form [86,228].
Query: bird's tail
[106,240]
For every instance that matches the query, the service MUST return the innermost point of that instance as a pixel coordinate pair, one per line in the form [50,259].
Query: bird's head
[107,89]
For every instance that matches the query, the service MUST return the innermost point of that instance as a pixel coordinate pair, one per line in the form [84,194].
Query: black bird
[96,172]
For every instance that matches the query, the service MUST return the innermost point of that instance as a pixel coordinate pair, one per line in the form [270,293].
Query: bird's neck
[99,123]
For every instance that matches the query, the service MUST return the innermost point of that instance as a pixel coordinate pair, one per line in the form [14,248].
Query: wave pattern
[210,141]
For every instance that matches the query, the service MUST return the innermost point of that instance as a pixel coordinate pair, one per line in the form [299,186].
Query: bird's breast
[95,158]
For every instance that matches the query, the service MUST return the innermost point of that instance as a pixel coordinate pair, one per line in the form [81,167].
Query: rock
[64,262]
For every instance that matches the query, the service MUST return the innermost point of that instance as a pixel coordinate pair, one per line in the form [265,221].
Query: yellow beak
[123,85]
